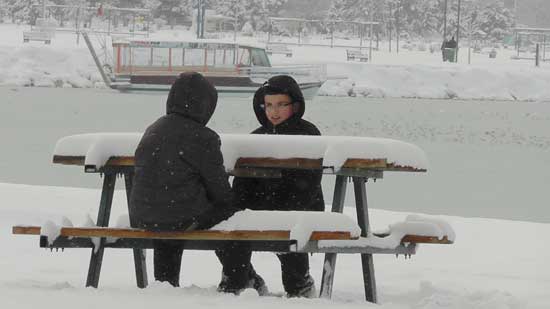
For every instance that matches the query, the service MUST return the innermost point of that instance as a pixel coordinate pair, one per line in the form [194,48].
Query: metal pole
[445,21]
[457,32]
[300,33]
[515,13]
[269,31]
[517,42]
[537,55]
[77,25]
[470,46]
[370,43]
[338,199]
[235,30]
[198,18]
[362,209]
[332,35]
[361,36]
[389,25]
[397,26]
[544,48]
[203,12]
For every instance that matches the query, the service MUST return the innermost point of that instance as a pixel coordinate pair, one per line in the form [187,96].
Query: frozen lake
[488,158]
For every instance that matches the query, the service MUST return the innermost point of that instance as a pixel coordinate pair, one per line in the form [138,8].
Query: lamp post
[445,21]
[200,19]
[457,31]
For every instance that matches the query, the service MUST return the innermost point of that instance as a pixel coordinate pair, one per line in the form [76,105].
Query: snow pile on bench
[300,223]
[334,150]
[52,230]
[413,225]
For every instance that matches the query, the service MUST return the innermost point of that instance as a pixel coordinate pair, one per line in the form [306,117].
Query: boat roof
[203,44]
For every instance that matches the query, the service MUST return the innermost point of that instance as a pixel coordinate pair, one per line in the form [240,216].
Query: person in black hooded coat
[279,106]
[180,182]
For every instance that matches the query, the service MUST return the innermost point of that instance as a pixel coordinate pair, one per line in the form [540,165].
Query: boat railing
[302,73]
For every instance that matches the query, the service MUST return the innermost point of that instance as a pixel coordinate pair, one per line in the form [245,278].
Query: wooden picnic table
[356,169]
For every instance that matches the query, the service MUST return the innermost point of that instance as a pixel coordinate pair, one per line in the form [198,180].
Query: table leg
[330,258]
[139,254]
[360,189]
[103,215]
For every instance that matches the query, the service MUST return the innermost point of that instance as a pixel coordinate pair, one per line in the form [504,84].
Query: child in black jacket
[279,106]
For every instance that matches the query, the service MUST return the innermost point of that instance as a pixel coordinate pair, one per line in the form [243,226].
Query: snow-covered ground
[494,264]
[409,74]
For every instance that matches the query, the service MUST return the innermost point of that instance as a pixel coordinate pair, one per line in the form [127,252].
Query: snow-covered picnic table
[355,158]
[330,153]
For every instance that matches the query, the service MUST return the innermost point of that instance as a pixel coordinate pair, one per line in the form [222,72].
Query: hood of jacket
[281,84]
[192,96]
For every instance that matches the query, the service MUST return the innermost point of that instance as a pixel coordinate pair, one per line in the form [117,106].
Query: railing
[302,73]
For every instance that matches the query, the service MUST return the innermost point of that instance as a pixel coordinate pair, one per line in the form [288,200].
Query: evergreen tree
[496,20]
[174,10]
[23,10]
[255,12]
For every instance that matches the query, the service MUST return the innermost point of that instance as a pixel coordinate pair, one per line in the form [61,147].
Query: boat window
[243,57]
[194,56]
[140,56]
[259,57]
[224,57]
[160,57]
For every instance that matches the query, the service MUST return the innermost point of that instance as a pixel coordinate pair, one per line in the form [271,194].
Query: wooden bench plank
[191,235]
[212,234]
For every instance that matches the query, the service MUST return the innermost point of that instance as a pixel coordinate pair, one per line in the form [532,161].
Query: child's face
[278,108]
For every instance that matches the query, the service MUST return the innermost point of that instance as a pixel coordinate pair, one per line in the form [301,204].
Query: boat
[234,69]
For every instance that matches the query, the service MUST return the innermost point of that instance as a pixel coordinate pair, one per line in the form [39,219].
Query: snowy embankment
[440,82]
[48,66]
[494,264]
[408,74]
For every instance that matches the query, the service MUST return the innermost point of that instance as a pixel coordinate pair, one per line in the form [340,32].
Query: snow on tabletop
[99,147]
[300,223]
[413,225]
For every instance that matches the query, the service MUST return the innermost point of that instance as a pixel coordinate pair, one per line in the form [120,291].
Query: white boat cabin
[168,57]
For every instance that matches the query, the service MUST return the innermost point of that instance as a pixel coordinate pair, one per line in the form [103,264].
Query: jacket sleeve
[213,173]
[246,193]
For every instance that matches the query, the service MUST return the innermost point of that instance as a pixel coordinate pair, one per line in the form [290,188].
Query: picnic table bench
[46,37]
[354,54]
[349,158]
[43,30]
[278,49]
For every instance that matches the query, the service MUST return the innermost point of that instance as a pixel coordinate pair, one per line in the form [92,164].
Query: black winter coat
[296,189]
[179,178]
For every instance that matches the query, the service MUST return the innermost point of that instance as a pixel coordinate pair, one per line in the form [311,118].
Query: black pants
[167,261]
[237,268]
[168,253]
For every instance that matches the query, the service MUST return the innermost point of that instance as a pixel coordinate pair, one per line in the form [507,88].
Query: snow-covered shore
[494,264]
[409,74]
